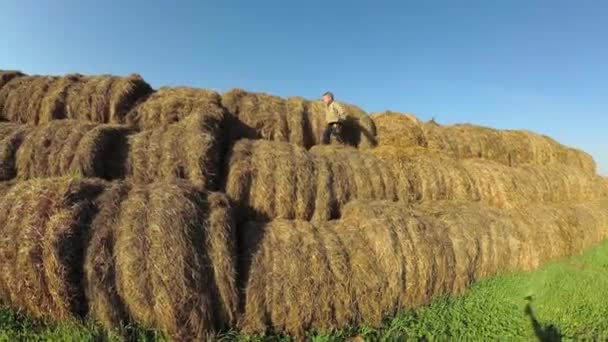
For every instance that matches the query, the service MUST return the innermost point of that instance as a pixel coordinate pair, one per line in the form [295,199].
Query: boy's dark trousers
[333,129]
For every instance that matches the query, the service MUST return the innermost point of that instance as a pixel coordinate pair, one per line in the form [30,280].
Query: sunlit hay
[42,243]
[383,257]
[72,148]
[182,150]
[280,180]
[358,128]
[171,105]
[399,130]
[105,99]
[432,177]
[7,75]
[101,99]
[11,137]
[105,305]
[175,261]
[295,120]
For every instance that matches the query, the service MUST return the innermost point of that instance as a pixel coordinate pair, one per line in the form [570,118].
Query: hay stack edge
[193,211]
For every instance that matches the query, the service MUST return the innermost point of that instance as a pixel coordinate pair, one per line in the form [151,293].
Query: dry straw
[280,180]
[40,99]
[175,260]
[433,177]
[509,147]
[294,120]
[74,148]
[171,105]
[43,232]
[7,75]
[385,256]
[11,137]
[183,150]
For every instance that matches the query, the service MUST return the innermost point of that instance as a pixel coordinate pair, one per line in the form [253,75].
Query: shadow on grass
[544,332]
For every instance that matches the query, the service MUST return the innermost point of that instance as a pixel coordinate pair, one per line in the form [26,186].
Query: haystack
[7,75]
[183,150]
[170,105]
[382,257]
[271,180]
[175,260]
[294,120]
[74,148]
[424,178]
[508,147]
[100,286]
[11,137]
[43,232]
[101,99]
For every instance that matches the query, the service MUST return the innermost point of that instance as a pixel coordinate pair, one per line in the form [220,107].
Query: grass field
[563,300]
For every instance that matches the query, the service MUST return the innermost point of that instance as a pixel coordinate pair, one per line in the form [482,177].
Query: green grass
[566,299]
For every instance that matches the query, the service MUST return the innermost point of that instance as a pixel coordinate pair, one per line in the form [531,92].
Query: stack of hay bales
[272,180]
[116,203]
[293,120]
[160,254]
[386,256]
[40,99]
[511,148]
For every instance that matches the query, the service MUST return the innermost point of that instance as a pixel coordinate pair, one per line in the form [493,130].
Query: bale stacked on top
[7,75]
[67,147]
[383,257]
[170,105]
[436,177]
[174,256]
[40,99]
[183,150]
[294,120]
[509,147]
[267,117]
[43,228]
[281,180]
[11,137]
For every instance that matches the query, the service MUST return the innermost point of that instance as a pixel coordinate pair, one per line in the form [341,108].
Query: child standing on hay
[334,117]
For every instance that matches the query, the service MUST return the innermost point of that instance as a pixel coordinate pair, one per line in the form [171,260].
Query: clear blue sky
[539,65]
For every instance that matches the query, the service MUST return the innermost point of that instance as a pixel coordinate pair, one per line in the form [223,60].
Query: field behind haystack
[194,213]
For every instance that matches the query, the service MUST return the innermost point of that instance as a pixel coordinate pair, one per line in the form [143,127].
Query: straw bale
[295,120]
[183,150]
[171,105]
[385,256]
[280,180]
[72,148]
[175,268]
[11,137]
[7,75]
[101,99]
[42,242]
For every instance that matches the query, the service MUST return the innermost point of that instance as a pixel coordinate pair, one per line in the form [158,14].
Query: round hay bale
[11,137]
[100,286]
[385,256]
[171,105]
[427,177]
[183,150]
[101,99]
[295,120]
[399,130]
[7,75]
[42,242]
[358,129]
[271,180]
[175,269]
[263,116]
[72,148]
[465,141]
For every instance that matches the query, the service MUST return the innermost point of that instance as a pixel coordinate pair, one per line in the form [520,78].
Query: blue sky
[538,65]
